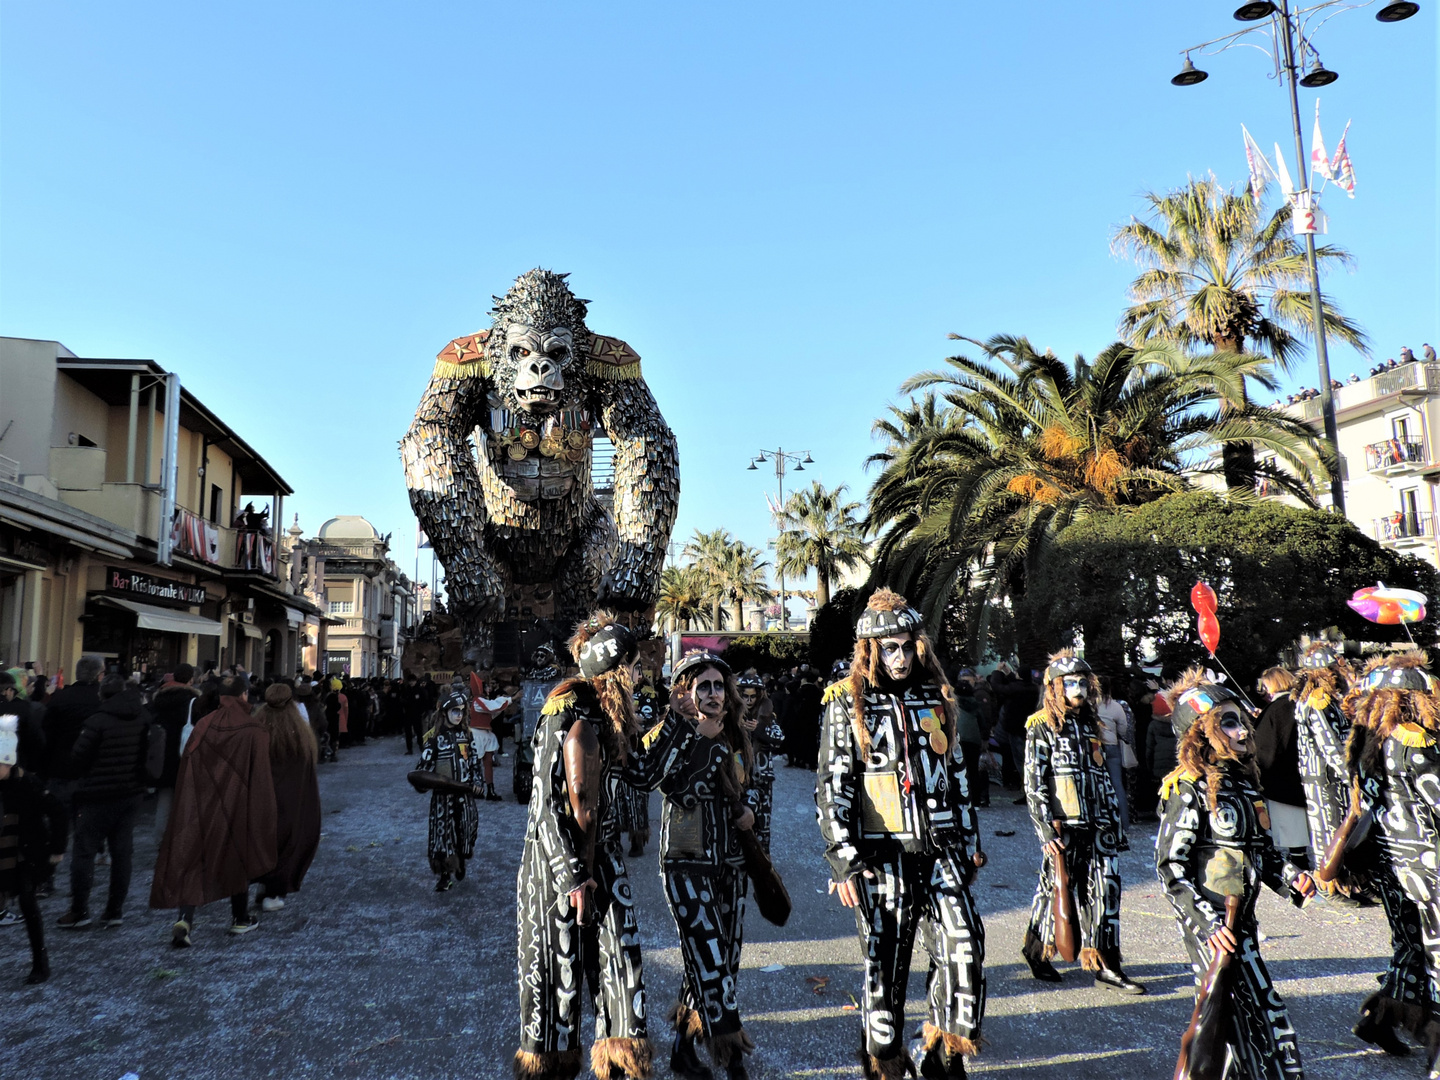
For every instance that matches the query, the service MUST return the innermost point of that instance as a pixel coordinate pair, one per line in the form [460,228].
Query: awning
[249,631]
[293,617]
[149,617]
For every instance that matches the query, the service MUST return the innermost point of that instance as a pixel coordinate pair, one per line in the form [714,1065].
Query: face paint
[898,655]
[455,717]
[1077,687]
[749,697]
[709,692]
[1234,730]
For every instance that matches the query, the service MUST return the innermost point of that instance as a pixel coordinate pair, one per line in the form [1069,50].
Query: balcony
[1404,530]
[1415,376]
[1395,457]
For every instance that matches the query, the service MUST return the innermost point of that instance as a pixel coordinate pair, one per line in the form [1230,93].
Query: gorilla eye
[524,352]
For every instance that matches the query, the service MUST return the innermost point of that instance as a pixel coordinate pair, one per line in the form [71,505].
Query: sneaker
[180,935]
[73,920]
[111,920]
[239,927]
[9,918]
[271,903]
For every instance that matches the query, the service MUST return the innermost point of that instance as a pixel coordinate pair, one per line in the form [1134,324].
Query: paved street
[369,973]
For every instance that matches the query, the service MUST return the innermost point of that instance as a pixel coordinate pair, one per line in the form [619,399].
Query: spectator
[1427,352]
[1406,356]
[109,757]
[1018,698]
[1277,752]
[32,840]
[1115,732]
[1390,364]
[222,832]
[972,736]
[1147,784]
[412,700]
[307,700]
[1353,378]
[15,700]
[293,751]
[802,723]
[1161,747]
[173,706]
[358,721]
[337,715]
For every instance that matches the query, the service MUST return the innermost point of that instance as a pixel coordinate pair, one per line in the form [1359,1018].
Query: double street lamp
[782,461]
[1291,33]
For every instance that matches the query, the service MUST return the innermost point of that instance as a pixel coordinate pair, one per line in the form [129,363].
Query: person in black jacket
[65,714]
[1277,752]
[109,756]
[173,706]
[802,723]
[32,839]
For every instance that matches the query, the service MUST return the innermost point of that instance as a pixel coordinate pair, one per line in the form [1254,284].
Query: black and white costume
[632,804]
[894,811]
[1321,730]
[1067,780]
[448,751]
[767,740]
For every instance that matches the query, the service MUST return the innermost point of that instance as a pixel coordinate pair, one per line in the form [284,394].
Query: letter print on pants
[1096,877]
[709,909]
[927,892]
[557,957]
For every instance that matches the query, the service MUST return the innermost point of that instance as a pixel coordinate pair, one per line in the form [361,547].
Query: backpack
[155,751]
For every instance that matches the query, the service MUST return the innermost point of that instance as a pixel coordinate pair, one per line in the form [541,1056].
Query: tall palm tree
[708,552]
[1028,444]
[1220,274]
[683,603]
[819,531]
[742,578]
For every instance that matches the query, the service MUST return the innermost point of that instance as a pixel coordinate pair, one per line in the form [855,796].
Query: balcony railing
[229,549]
[1415,376]
[1402,527]
[1395,455]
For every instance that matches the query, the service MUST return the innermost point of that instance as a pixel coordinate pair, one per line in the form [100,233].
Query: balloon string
[1236,683]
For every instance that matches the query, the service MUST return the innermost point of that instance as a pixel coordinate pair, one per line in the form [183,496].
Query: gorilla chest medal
[539,459]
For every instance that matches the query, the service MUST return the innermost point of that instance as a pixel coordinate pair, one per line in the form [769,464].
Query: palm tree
[683,602]
[1027,444]
[1218,274]
[707,553]
[742,578]
[819,531]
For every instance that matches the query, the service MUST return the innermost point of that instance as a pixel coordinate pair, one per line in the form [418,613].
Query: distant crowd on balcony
[1309,393]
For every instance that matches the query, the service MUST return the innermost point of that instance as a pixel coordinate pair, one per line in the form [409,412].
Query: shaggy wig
[866,669]
[612,690]
[1375,714]
[1054,705]
[1334,681]
[734,732]
[1204,749]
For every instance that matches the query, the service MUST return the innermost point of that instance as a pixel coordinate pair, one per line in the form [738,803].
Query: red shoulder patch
[611,350]
[465,350]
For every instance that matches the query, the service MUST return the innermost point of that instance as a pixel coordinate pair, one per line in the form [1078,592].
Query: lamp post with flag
[781,460]
[1291,31]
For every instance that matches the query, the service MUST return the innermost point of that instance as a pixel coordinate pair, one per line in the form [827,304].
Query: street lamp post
[782,461]
[1291,38]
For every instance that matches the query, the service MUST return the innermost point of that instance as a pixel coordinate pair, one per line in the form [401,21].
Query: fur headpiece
[887,613]
[1053,705]
[1193,695]
[1391,691]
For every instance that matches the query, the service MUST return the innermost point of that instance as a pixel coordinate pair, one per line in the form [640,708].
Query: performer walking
[701,863]
[1321,730]
[1213,844]
[448,751]
[1393,758]
[575,912]
[901,841]
[766,739]
[1076,814]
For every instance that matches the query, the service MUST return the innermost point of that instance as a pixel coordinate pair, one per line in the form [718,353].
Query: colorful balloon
[1209,627]
[1202,598]
[1388,607]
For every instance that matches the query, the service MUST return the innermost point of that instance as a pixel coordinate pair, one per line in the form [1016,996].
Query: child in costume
[1076,814]
[448,751]
[701,862]
[1214,843]
[576,919]
[1321,729]
[32,841]
[902,843]
[766,739]
[1393,759]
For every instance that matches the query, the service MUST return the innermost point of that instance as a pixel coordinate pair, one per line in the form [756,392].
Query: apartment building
[136,526]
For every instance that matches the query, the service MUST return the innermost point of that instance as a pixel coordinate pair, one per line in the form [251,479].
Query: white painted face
[897,654]
[1235,730]
[708,693]
[1077,689]
[455,716]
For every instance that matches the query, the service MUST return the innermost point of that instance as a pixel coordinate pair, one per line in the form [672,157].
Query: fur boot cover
[686,1021]
[953,1045]
[630,1058]
[726,1048]
[1378,1012]
[550,1065]
[1090,960]
[873,1068]
[1032,948]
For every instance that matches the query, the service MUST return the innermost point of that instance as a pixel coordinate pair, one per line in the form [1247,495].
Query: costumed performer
[448,751]
[1321,729]
[766,739]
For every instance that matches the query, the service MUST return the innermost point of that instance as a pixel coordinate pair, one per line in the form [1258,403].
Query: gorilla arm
[445,490]
[647,491]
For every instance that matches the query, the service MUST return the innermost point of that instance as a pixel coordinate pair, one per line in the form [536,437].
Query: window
[1400,428]
[342,607]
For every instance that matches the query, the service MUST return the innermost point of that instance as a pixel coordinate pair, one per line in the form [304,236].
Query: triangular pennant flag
[1341,171]
[1282,172]
[1319,159]
[1260,168]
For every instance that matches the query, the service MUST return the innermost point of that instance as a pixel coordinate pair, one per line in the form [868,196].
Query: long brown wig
[290,733]
[866,669]
[1053,705]
[1203,748]
[612,691]
[734,734]
[1375,714]
[1334,681]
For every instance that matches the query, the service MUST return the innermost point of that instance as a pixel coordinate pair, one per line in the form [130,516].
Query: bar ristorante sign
[157,590]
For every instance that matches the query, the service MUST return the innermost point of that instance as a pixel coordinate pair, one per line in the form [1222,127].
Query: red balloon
[1209,627]
[1202,598]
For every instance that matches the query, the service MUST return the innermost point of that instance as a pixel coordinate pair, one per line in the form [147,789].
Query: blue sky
[783,207]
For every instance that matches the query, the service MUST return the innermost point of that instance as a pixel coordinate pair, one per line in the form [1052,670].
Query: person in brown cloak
[293,751]
[222,830]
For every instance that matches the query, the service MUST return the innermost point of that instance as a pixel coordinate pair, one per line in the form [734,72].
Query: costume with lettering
[1072,800]
[575,911]
[1395,764]
[702,868]
[766,739]
[448,751]
[1215,843]
[632,804]
[1321,729]
[901,841]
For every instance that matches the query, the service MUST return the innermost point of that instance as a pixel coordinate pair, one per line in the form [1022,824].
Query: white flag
[1319,159]
[1282,172]
[1341,171]
[421,540]
[1260,168]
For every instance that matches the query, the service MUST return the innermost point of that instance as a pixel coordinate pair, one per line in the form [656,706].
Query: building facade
[135,525]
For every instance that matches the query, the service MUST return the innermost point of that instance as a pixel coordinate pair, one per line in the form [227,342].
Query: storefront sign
[23,549]
[140,586]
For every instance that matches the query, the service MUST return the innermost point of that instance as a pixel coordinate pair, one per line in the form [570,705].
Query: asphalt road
[369,973]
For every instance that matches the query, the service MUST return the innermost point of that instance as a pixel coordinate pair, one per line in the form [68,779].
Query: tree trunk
[740,614]
[1237,459]
[822,589]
